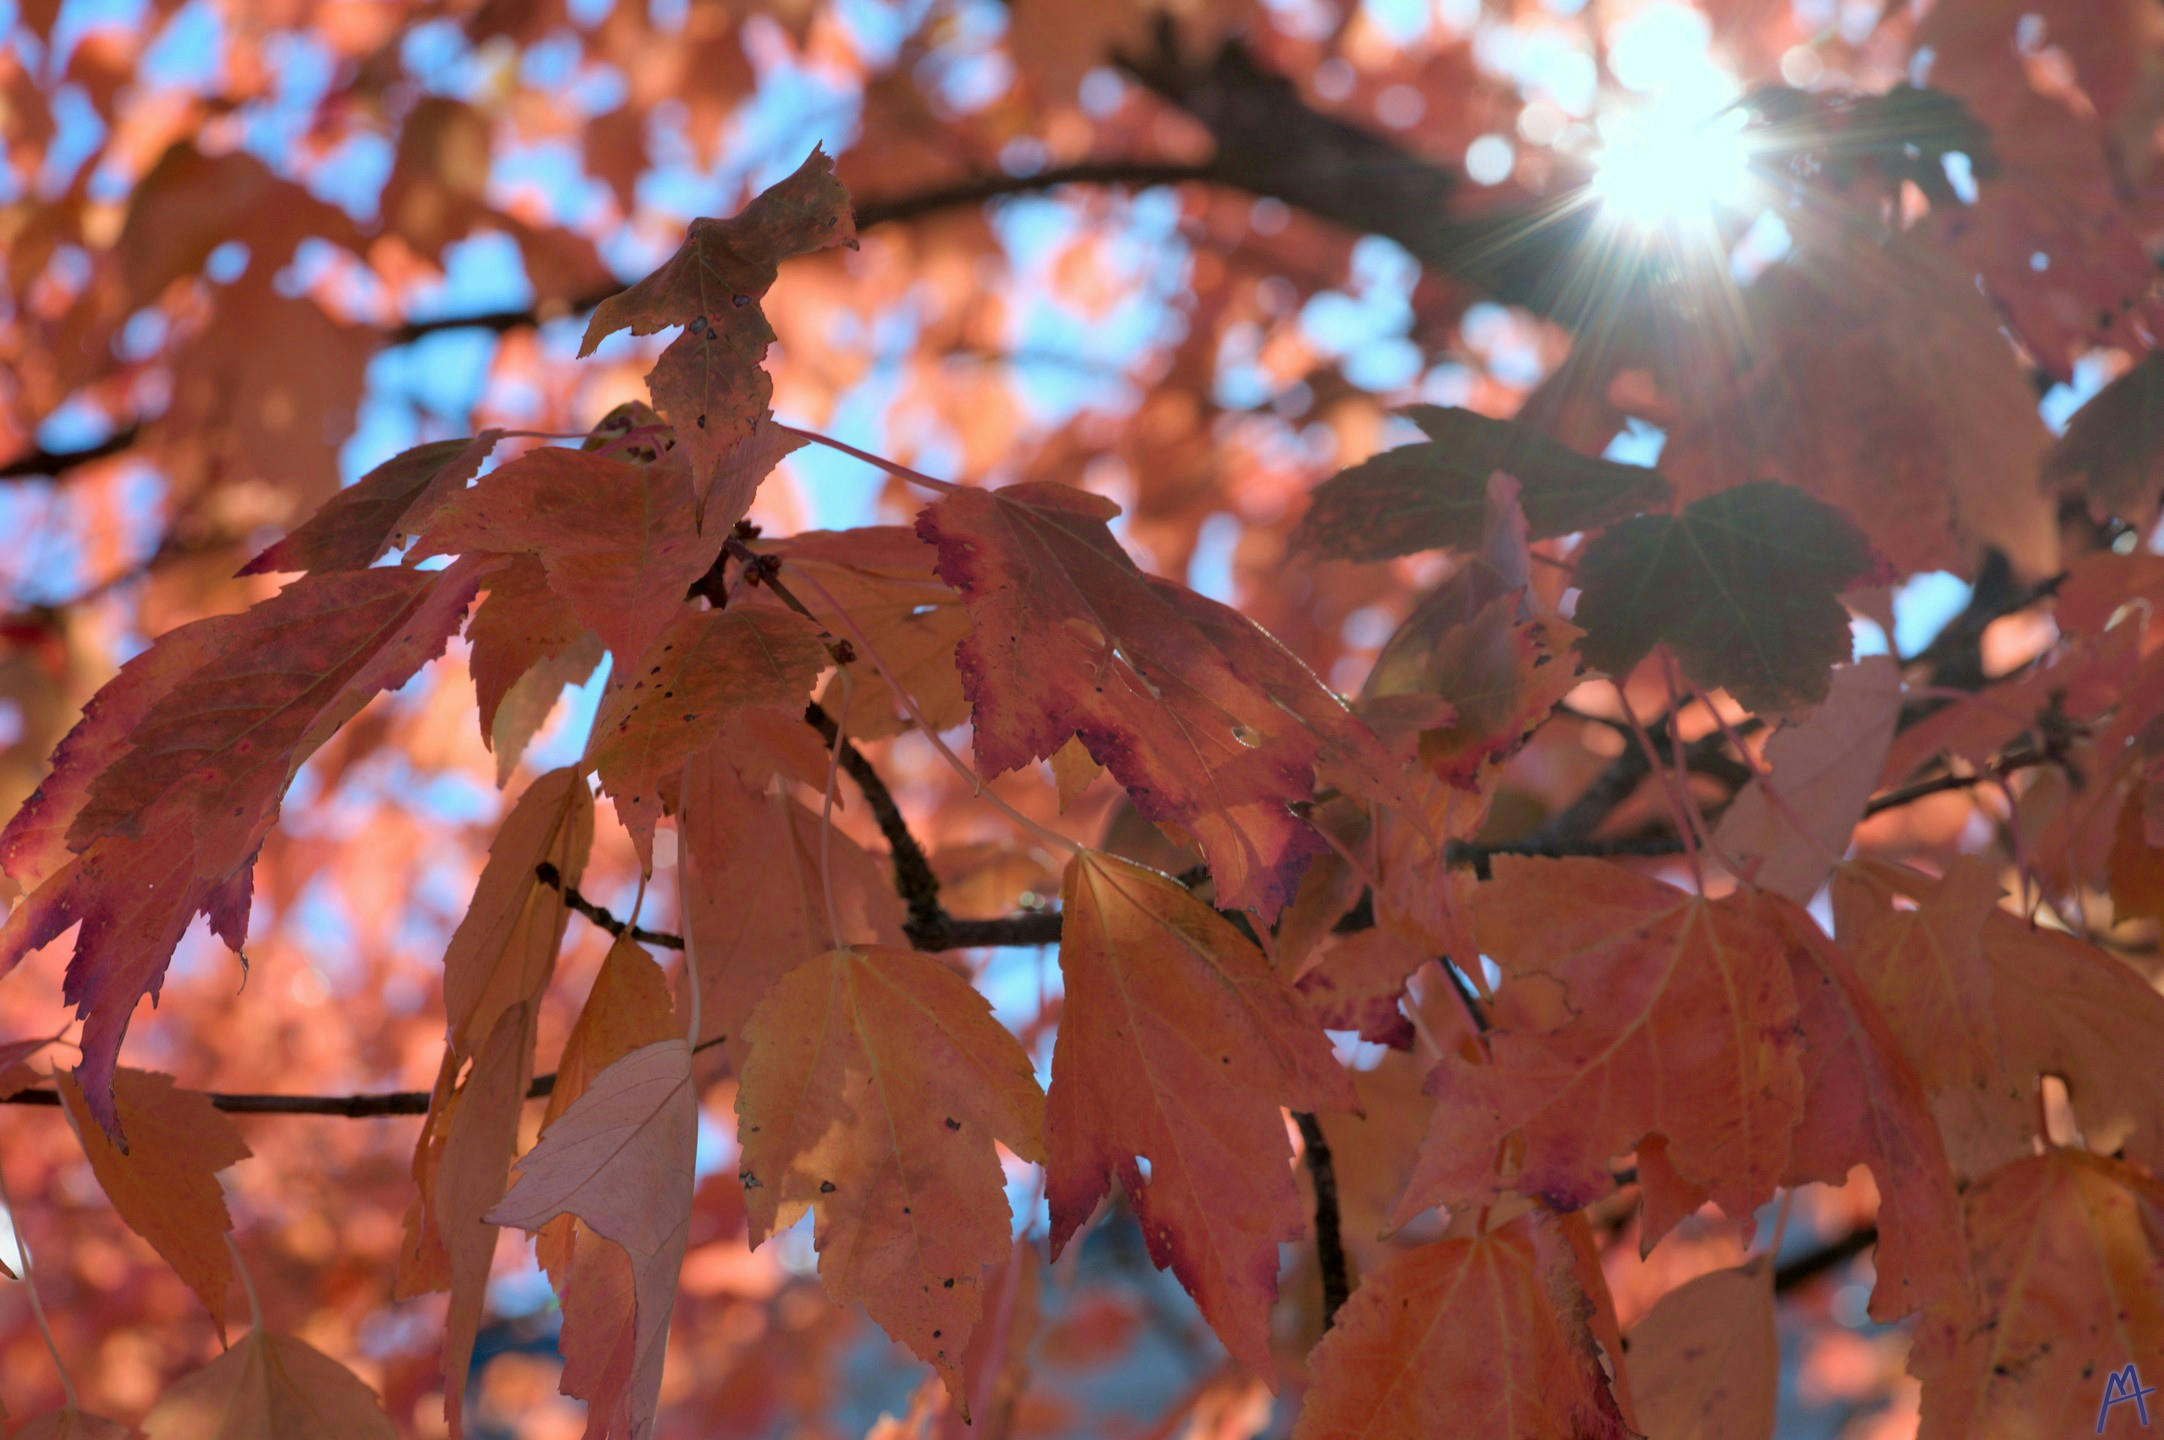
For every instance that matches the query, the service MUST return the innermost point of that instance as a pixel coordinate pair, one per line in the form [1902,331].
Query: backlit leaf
[1404,1352]
[620,1159]
[1177,1045]
[1741,586]
[1603,970]
[1433,495]
[1862,1105]
[2070,1264]
[169,826]
[1207,721]
[1704,1362]
[165,1186]
[615,537]
[358,525]
[269,1387]
[876,1082]
[705,666]
[1823,771]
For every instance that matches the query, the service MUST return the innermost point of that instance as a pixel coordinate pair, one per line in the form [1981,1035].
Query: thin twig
[550,876]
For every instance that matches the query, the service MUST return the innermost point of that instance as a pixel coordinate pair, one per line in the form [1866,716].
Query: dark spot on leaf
[953,1124]
[947,1284]
[751,1181]
[739,301]
[827,1187]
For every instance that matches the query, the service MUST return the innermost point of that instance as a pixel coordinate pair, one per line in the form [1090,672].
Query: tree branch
[1826,1257]
[43,462]
[365,1105]
[874,212]
[1329,1234]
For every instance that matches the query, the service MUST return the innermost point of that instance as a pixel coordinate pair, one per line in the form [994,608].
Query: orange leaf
[504,949]
[2070,1265]
[495,969]
[269,1387]
[1925,965]
[165,1186]
[1823,770]
[621,1160]
[882,577]
[1208,722]
[876,1082]
[2081,1013]
[527,645]
[615,537]
[706,665]
[1862,1105]
[741,842]
[479,1125]
[627,1008]
[1177,1044]
[1704,1362]
[1604,969]
[168,794]
[355,527]
[1403,1353]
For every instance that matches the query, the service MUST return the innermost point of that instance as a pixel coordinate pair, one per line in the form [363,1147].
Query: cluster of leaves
[1592,1028]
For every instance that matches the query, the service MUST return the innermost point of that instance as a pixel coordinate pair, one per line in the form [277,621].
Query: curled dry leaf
[1177,1044]
[876,1084]
[709,382]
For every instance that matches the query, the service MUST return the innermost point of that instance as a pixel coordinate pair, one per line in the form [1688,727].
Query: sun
[1667,167]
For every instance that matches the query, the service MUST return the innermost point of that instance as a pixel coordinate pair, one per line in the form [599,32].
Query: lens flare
[1659,168]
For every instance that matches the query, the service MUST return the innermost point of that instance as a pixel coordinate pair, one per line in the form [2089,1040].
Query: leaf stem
[247,1284]
[898,471]
[1676,804]
[30,1288]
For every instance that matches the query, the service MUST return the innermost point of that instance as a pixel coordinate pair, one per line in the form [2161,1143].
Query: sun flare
[1662,167]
